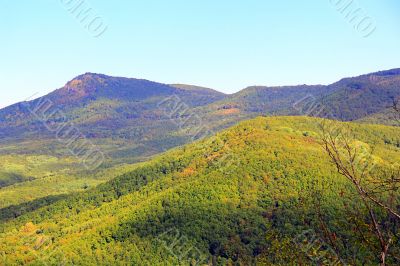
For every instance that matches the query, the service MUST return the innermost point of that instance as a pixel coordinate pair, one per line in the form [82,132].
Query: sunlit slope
[231,196]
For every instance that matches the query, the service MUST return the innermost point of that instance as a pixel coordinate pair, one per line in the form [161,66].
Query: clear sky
[226,45]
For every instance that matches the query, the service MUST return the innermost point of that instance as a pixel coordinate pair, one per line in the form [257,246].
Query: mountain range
[191,176]
[130,120]
[151,117]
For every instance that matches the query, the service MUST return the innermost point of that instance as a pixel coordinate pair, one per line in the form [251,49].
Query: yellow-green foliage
[30,177]
[241,196]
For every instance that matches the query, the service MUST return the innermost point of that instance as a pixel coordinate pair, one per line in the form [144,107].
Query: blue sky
[226,45]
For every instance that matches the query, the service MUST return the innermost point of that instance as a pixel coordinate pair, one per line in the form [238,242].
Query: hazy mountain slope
[346,100]
[386,117]
[359,97]
[200,90]
[255,101]
[126,118]
[270,100]
[241,196]
[104,106]
[95,99]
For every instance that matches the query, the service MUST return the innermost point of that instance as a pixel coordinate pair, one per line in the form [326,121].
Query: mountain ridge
[143,112]
[382,73]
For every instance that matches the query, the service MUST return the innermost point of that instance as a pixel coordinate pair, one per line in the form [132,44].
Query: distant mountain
[359,97]
[126,96]
[386,117]
[135,118]
[199,90]
[109,108]
[346,100]
[259,99]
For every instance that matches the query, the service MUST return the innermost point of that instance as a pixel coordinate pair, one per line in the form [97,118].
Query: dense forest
[263,192]
[131,120]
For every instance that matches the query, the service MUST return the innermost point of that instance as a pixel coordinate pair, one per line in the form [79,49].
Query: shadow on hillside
[217,230]
[14,211]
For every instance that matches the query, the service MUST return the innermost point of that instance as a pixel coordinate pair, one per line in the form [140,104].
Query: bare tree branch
[345,157]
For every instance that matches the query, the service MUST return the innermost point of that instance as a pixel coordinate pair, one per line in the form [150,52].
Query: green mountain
[43,142]
[248,195]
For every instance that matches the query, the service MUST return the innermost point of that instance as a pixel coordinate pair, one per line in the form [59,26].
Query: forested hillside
[259,192]
[130,120]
